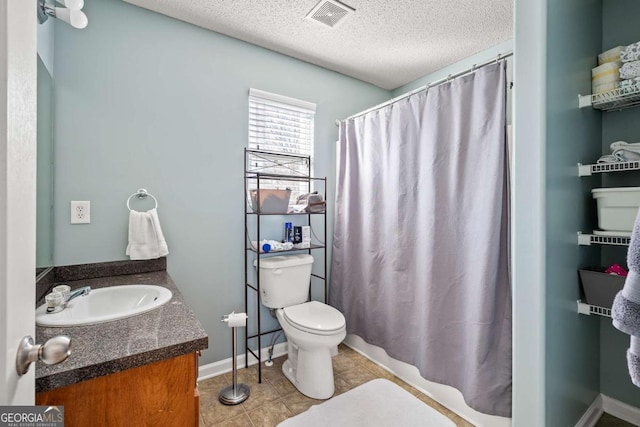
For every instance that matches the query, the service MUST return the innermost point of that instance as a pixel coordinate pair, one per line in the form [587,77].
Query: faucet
[80,292]
[59,303]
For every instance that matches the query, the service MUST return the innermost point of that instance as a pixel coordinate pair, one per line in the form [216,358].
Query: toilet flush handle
[277,271]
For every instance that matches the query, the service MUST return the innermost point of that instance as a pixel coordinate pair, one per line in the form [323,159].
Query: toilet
[313,329]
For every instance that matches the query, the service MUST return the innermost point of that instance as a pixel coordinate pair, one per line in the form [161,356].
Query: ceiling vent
[330,12]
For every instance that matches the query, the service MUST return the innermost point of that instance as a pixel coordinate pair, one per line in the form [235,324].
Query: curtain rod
[427,86]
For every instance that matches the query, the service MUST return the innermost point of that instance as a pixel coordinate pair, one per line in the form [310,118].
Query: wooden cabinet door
[159,394]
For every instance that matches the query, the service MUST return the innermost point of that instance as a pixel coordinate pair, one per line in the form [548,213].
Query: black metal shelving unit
[259,166]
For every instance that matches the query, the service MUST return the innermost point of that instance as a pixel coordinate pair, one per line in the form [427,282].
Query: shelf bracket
[583,308]
[584,239]
[584,101]
[584,170]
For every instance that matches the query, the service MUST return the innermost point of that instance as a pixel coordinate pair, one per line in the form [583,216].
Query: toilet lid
[315,317]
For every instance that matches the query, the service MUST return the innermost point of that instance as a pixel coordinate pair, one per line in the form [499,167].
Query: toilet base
[311,372]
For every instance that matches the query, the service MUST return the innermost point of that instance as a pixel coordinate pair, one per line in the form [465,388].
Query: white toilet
[313,329]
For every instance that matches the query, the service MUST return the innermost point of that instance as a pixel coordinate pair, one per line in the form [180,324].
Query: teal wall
[619,28]
[572,347]
[44,200]
[143,100]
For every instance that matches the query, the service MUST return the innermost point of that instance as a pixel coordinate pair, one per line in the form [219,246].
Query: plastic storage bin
[617,207]
[599,287]
[270,201]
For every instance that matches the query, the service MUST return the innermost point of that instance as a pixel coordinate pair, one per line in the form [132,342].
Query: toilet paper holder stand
[234,393]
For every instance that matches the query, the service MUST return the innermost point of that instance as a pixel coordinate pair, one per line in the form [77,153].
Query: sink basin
[105,305]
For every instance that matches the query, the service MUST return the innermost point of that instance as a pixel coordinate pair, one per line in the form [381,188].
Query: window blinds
[280,124]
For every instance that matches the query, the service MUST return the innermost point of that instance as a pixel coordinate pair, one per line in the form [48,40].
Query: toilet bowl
[313,331]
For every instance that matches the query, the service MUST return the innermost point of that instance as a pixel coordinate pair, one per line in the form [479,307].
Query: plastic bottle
[288,232]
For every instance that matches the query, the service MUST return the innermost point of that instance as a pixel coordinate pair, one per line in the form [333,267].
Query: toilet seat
[315,318]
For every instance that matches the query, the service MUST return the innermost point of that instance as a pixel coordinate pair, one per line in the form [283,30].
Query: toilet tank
[284,280]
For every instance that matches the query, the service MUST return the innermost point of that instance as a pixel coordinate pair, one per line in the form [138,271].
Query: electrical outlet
[80,212]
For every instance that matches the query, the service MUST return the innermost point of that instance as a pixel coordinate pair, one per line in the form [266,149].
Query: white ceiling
[386,43]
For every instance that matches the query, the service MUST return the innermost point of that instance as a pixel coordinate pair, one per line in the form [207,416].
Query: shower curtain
[421,246]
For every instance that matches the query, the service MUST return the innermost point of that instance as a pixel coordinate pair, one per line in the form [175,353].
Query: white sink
[105,305]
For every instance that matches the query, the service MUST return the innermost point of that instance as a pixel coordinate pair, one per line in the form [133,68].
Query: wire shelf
[588,170]
[595,239]
[588,309]
[286,214]
[611,100]
[312,246]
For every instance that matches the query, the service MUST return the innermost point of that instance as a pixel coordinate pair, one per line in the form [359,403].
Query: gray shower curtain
[421,252]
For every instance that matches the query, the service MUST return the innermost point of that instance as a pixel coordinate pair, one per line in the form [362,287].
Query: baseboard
[592,414]
[622,410]
[607,404]
[223,366]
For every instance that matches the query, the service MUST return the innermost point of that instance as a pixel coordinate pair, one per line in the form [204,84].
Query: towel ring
[141,194]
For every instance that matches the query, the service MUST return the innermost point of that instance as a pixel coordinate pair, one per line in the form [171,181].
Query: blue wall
[143,100]
[619,28]
[573,135]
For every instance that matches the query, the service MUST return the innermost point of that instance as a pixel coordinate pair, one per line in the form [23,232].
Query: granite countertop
[169,331]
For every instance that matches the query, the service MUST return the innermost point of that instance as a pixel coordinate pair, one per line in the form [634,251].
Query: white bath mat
[378,403]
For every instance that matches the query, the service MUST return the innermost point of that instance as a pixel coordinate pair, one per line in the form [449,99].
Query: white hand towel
[146,240]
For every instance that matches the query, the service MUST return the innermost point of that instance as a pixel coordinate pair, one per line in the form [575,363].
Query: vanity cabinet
[163,393]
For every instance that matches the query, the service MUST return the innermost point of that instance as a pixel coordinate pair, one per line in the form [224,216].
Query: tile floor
[276,399]
[608,420]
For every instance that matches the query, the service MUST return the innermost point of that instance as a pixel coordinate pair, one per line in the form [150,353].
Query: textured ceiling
[386,43]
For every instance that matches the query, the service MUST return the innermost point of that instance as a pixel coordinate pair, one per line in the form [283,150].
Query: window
[279,124]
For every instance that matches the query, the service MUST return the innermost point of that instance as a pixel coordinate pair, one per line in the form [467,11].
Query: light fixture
[71,14]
